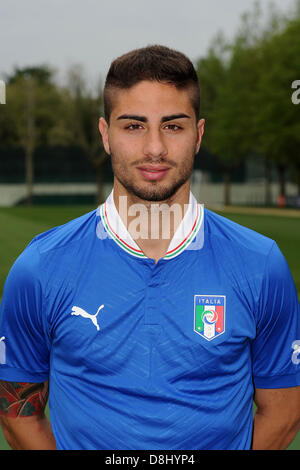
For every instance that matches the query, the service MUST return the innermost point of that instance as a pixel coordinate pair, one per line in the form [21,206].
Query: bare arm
[277,418]
[22,416]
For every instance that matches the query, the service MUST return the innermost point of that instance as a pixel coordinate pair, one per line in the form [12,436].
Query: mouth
[153,172]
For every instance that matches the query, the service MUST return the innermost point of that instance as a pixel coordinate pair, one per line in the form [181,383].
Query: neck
[152,225]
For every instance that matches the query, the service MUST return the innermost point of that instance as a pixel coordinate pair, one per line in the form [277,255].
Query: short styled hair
[153,63]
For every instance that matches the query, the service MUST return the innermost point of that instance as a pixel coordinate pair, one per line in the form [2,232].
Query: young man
[155,321]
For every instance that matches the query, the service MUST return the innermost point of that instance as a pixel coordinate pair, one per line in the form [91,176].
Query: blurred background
[54,56]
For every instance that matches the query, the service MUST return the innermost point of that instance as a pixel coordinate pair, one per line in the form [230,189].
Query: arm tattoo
[20,399]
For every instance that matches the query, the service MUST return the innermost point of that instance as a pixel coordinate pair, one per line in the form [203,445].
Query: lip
[153,172]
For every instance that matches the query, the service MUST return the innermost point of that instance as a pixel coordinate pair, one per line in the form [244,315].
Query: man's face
[152,138]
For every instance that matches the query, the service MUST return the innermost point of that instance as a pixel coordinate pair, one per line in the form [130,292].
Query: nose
[154,145]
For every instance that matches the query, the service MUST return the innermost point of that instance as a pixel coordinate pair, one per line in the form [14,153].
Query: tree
[86,108]
[32,100]
[228,74]
[212,73]
[248,83]
[278,117]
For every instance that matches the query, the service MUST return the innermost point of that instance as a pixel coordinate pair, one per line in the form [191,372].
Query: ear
[103,128]
[200,132]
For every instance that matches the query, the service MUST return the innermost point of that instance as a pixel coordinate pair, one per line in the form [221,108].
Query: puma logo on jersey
[79,311]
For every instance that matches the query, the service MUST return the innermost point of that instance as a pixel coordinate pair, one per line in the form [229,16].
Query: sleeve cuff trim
[12,374]
[277,381]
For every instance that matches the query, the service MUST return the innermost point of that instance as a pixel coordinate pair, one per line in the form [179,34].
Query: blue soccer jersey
[151,356]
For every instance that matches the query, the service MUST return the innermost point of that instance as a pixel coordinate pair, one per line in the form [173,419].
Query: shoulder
[250,259]
[74,231]
[54,245]
[236,238]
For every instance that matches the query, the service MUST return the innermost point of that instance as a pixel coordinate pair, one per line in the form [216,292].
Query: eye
[133,127]
[173,127]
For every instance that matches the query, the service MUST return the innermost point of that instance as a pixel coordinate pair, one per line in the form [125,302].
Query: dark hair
[154,63]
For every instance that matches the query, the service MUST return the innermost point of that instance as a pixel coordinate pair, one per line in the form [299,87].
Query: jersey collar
[184,235]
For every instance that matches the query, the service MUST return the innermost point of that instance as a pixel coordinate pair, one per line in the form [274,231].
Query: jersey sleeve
[24,345]
[275,360]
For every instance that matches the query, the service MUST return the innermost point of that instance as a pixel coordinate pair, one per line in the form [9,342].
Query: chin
[155,193]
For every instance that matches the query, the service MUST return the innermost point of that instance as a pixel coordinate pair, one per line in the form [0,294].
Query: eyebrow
[144,119]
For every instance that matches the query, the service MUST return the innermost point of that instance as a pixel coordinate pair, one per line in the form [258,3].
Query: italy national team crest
[209,315]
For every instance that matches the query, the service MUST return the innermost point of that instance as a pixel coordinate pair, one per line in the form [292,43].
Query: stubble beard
[152,191]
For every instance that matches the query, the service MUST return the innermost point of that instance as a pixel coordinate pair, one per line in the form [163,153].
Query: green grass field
[18,225]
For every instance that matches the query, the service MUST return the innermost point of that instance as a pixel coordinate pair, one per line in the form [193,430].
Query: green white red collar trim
[184,235]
